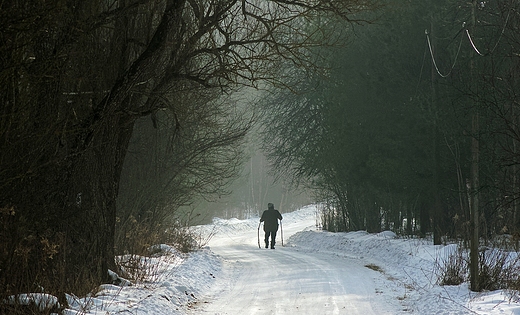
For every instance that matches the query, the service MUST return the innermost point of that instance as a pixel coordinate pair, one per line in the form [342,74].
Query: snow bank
[179,281]
[411,267]
[42,301]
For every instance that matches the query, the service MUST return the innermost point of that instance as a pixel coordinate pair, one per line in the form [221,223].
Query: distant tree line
[414,125]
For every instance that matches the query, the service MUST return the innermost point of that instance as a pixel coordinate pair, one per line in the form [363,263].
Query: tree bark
[89,216]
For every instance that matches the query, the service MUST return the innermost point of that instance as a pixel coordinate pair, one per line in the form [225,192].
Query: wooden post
[474,204]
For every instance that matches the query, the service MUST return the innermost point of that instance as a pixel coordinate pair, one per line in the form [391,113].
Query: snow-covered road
[317,272]
[286,280]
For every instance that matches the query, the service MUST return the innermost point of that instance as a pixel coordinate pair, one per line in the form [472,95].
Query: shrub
[498,269]
[452,269]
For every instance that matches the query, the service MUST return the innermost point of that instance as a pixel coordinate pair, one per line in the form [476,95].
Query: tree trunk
[373,219]
[409,219]
[90,213]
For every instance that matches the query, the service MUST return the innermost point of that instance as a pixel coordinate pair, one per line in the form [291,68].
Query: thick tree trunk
[90,213]
[64,215]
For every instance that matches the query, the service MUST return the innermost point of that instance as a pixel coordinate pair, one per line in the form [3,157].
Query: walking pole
[258,234]
[281,231]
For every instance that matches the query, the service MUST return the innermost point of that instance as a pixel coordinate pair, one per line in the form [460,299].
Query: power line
[460,44]
[433,57]
[498,40]
[473,44]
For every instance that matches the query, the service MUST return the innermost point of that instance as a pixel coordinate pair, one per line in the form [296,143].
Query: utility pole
[436,211]
[474,189]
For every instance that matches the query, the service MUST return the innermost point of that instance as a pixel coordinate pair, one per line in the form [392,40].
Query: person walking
[270,218]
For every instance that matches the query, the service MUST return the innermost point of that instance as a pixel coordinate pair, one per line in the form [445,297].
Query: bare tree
[170,165]
[76,75]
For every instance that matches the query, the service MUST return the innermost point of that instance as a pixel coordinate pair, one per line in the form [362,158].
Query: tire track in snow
[288,281]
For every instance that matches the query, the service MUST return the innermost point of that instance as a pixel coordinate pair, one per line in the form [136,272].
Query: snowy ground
[316,272]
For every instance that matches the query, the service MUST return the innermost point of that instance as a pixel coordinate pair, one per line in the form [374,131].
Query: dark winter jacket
[270,218]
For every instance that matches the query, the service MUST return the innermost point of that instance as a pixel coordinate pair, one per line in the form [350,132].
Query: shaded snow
[179,280]
[41,301]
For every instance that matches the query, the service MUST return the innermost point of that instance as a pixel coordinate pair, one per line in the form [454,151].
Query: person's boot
[266,244]
[272,245]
